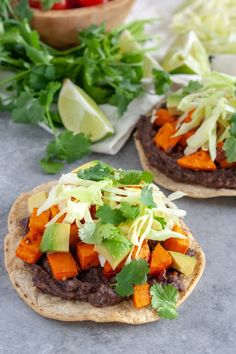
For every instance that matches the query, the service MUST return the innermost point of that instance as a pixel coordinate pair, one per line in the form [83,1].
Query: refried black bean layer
[167,163]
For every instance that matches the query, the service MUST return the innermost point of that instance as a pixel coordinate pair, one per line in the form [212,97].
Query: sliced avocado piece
[114,250]
[56,238]
[183,263]
[36,200]
[173,101]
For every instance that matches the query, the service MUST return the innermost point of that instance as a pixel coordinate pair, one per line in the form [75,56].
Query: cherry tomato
[85,3]
[60,5]
[35,4]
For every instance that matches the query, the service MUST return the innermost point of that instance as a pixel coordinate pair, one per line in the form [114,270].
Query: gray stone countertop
[207,319]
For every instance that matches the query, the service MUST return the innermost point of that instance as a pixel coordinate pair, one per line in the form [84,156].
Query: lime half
[80,114]
[128,43]
[187,55]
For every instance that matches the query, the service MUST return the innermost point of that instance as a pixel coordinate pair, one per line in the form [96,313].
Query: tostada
[189,142]
[101,244]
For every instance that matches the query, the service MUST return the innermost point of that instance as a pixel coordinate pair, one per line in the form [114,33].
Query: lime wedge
[80,114]
[187,55]
[128,43]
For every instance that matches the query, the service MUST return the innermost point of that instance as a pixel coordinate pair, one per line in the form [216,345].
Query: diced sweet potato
[144,252]
[141,297]
[184,137]
[29,248]
[86,255]
[163,137]
[63,265]
[160,260]
[200,161]
[163,116]
[108,272]
[54,211]
[180,245]
[74,235]
[37,223]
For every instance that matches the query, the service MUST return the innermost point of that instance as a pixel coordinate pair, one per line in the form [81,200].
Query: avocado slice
[56,238]
[183,263]
[114,250]
[36,200]
[173,101]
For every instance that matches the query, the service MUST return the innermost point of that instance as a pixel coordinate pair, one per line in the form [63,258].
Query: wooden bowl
[60,28]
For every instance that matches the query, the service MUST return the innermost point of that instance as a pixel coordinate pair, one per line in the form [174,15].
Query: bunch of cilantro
[97,65]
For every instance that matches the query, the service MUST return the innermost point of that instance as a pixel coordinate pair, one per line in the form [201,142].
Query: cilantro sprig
[147,196]
[131,274]
[116,216]
[164,298]
[98,172]
[96,233]
[230,143]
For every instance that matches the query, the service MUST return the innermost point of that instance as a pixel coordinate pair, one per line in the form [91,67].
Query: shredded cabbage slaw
[75,196]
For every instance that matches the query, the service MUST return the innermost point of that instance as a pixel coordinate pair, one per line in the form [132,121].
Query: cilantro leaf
[98,172]
[233,125]
[131,274]
[27,109]
[147,197]
[130,212]
[51,167]
[96,233]
[164,298]
[162,81]
[47,4]
[192,86]
[161,221]
[109,215]
[135,177]
[68,147]
[23,10]
[230,148]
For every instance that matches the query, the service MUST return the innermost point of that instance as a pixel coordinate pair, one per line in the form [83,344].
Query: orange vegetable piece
[163,137]
[63,265]
[144,252]
[108,272]
[184,137]
[54,211]
[37,223]
[160,260]
[29,248]
[188,118]
[86,255]
[163,116]
[74,235]
[180,245]
[198,161]
[141,297]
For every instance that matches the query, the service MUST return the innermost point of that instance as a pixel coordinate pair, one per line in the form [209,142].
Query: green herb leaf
[230,148]
[161,221]
[27,109]
[192,86]
[129,212]
[164,298]
[162,81]
[98,172]
[233,125]
[109,215]
[68,147]
[135,177]
[51,167]
[147,197]
[23,10]
[96,233]
[47,4]
[131,274]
